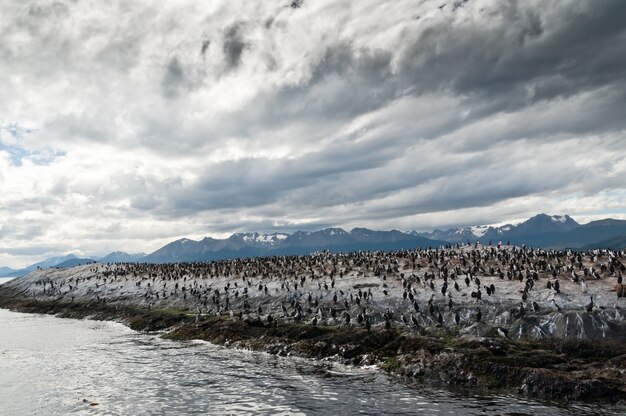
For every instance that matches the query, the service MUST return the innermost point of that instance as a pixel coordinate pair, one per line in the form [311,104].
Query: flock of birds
[450,287]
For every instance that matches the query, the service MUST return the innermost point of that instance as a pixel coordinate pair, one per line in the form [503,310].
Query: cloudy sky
[127,124]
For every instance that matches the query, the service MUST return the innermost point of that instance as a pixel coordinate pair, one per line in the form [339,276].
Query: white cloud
[142,123]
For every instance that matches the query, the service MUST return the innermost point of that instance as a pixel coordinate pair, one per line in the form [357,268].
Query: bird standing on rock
[503,332]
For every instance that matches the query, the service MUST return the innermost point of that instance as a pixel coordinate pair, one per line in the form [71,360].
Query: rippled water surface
[50,366]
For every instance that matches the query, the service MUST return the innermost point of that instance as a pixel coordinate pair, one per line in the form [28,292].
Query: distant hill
[68,264]
[7,271]
[50,262]
[242,245]
[615,243]
[121,257]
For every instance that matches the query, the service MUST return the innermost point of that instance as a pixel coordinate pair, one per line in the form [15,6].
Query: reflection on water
[58,366]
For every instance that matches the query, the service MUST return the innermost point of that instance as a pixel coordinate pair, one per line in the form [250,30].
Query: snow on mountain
[270,239]
[479,230]
[300,242]
[549,231]
[537,230]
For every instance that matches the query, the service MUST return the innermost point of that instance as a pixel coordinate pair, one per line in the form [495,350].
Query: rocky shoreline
[572,370]
[306,312]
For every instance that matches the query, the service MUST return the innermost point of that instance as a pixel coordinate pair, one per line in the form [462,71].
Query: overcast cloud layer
[127,124]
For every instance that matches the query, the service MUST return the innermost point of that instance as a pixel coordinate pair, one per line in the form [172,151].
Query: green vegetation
[391,365]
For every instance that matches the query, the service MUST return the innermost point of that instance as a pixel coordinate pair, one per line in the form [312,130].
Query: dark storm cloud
[508,67]
[233,46]
[522,54]
[256,182]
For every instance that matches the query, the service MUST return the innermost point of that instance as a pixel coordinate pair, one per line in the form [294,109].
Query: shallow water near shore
[51,365]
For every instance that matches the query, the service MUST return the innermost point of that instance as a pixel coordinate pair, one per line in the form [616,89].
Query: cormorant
[503,332]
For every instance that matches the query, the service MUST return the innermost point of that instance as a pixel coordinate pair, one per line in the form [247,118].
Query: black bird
[535,306]
[457,318]
[388,315]
[479,315]
[387,325]
[589,306]
[556,286]
[503,332]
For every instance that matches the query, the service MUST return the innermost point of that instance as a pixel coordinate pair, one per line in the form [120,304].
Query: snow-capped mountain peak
[479,230]
[270,239]
[537,225]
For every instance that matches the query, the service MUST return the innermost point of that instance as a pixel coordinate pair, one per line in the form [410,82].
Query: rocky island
[541,323]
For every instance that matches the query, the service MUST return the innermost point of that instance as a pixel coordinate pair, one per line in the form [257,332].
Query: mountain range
[545,231]
[279,244]
[71,260]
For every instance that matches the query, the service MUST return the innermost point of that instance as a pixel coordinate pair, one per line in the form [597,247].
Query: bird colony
[514,292]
